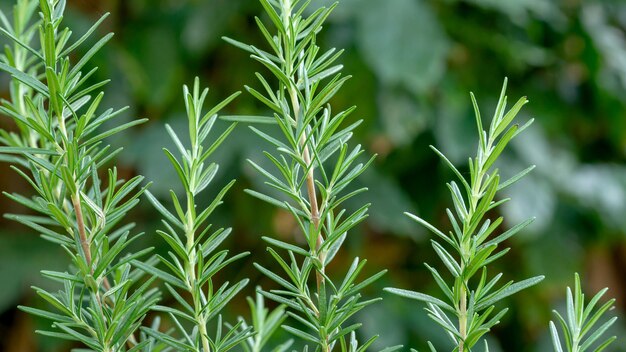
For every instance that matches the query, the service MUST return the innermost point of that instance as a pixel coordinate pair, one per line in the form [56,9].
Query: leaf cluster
[58,149]
[264,324]
[313,135]
[578,327]
[80,204]
[472,240]
[194,258]
[313,166]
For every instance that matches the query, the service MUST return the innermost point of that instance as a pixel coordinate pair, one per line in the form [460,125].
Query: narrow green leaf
[420,297]
[250,119]
[286,246]
[508,291]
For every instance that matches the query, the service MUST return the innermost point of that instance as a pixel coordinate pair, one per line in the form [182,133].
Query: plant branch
[310,186]
[190,269]
[310,176]
[58,146]
[84,241]
[312,195]
[193,263]
[306,155]
[463,318]
[306,84]
[469,237]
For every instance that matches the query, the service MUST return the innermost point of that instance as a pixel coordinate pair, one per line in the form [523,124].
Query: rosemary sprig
[578,326]
[192,261]
[472,303]
[264,324]
[314,167]
[59,151]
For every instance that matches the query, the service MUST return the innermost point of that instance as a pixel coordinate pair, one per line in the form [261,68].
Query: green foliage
[412,60]
[314,166]
[59,151]
[193,261]
[578,328]
[472,240]
[264,324]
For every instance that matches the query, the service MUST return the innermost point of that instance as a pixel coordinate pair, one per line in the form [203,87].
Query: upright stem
[86,246]
[473,199]
[463,318]
[191,271]
[314,208]
[306,157]
[84,241]
[203,334]
[311,191]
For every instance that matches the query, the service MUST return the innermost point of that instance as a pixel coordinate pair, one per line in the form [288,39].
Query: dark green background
[414,63]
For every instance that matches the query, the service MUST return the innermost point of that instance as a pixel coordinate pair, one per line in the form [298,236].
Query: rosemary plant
[313,168]
[59,151]
[471,302]
[577,327]
[104,296]
[264,325]
[192,261]
[22,30]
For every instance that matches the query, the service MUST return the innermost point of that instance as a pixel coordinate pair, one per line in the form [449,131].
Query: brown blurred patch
[285,227]
[19,338]
[603,271]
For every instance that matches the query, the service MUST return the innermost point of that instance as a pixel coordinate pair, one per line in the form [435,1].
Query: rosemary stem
[310,181]
[311,191]
[203,335]
[86,246]
[463,318]
[315,215]
[84,240]
[191,270]
[306,154]
[466,255]
[312,194]
[80,221]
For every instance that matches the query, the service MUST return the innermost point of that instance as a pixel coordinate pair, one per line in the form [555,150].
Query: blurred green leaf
[402,116]
[22,256]
[402,42]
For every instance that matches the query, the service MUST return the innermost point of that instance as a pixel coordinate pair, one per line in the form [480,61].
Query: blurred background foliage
[414,63]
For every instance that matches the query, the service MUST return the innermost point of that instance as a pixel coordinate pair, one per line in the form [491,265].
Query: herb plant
[264,325]
[80,204]
[313,166]
[471,303]
[192,261]
[577,326]
[59,151]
